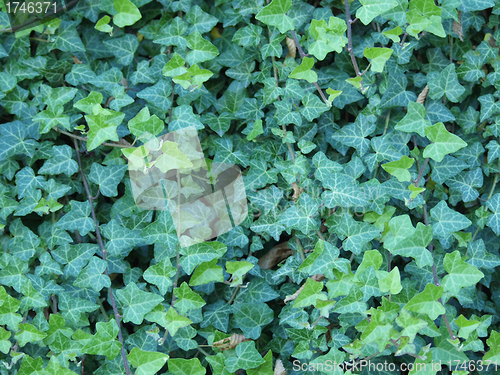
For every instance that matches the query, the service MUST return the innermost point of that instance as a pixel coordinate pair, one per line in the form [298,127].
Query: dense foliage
[367,136]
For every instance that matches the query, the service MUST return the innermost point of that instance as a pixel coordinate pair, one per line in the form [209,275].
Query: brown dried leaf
[274,256]
[279,369]
[423,95]
[296,191]
[457,27]
[318,277]
[294,296]
[230,342]
[76,60]
[292,49]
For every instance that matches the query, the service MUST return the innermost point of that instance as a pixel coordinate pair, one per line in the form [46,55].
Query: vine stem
[349,22]
[84,139]
[302,55]
[104,252]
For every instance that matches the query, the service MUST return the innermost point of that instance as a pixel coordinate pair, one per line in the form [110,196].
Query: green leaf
[28,333]
[443,142]
[399,168]
[329,37]
[179,366]
[160,275]
[104,341]
[90,103]
[103,25]
[238,269]
[313,107]
[393,34]
[123,48]
[446,220]
[460,274]
[378,57]
[427,303]
[197,254]
[300,215]
[77,218]
[494,220]
[92,275]
[391,282]
[201,49]
[100,130]
[146,362]
[174,66]
[174,321]
[121,239]
[274,14]
[251,317]
[201,21]
[127,15]
[414,120]
[247,357]
[145,125]
[107,178]
[187,299]
[446,83]
[136,303]
[206,272]
[373,8]
[310,294]
[303,71]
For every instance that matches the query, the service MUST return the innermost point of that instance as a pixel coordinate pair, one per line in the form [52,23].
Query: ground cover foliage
[367,133]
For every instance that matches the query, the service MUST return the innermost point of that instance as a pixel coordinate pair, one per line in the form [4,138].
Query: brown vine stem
[302,55]
[84,139]
[420,174]
[103,251]
[349,22]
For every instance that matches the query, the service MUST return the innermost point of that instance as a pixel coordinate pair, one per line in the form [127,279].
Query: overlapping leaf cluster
[367,133]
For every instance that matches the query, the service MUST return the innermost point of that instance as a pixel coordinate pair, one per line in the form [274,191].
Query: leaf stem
[104,252]
[302,55]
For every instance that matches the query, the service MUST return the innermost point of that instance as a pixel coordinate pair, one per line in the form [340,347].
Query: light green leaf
[206,272]
[143,124]
[427,303]
[303,71]
[186,299]
[378,57]
[146,362]
[274,14]
[310,294]
[174,66]
[393,34]
[414,120]
[179,366]
[373,8]
[443,142]
[390,282]
[127,15]
[103,25]
[174,321]
[329,37]
[28,333]
[399,168]
[238,269]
